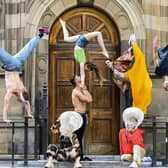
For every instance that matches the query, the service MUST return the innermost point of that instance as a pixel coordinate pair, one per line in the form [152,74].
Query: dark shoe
[3,66]
[86,159]
[43,31]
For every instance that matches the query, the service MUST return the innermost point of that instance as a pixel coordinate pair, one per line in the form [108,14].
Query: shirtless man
[12,65]
[15,87]
[80,98]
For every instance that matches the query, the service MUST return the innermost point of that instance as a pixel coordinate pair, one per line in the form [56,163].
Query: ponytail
[94,67]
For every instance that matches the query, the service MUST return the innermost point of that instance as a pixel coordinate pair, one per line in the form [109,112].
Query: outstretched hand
[155,51]
[7,121]
[29,116]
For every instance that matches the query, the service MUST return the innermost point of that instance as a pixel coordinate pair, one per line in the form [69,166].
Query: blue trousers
[15,62]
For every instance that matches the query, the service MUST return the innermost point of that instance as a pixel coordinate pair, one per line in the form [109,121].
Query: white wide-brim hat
[70,121]
[133,112]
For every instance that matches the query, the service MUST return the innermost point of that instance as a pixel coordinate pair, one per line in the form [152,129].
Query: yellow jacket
[140,81]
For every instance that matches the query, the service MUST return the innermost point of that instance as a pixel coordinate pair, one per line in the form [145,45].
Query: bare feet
[78,165]
[29,116]
[105,53]
[7,121]
[49,165]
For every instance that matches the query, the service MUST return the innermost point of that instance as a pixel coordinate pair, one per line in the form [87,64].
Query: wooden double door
[101,136]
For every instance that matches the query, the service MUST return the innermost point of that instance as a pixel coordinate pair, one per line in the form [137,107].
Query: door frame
[52,40]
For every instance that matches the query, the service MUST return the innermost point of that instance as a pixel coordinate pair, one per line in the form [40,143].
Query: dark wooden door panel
[101,135]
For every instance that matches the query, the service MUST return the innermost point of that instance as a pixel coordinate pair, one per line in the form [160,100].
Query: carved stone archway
[126,14]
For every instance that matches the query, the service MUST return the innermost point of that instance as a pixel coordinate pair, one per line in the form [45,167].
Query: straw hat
[133,112]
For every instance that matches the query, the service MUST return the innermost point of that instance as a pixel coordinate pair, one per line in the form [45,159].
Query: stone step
[85,164]
[98,161]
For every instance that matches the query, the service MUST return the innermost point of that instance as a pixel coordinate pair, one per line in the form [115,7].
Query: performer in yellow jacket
[138,76]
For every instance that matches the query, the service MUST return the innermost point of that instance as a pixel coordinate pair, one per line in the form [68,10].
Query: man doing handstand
[12,66]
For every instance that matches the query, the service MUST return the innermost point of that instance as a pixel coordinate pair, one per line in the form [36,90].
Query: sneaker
[77,165]
[43,31]
[133,165]
[147,159]
[49,165]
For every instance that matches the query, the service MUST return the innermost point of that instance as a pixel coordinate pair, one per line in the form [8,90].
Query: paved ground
[93,164]
[98,161]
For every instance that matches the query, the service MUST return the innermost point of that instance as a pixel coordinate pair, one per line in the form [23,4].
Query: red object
[43,30]
[128,140]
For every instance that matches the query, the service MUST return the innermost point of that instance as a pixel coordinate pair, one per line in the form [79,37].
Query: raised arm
[28,109]
[84,95]
[155,51]
[6,106]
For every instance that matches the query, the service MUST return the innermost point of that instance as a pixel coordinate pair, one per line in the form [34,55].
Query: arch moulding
[127,15]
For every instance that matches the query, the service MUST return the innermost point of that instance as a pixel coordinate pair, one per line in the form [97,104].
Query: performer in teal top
[81,42]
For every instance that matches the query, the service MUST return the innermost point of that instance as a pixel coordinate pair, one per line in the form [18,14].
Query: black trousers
[80,133]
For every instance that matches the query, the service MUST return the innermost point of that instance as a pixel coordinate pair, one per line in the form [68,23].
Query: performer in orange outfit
[136,74]
[141,84]
[130,138]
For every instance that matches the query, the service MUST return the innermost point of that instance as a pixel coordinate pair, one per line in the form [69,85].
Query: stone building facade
[20,20]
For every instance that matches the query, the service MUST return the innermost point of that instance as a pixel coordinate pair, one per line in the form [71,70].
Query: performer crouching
[130,138]
[69,149]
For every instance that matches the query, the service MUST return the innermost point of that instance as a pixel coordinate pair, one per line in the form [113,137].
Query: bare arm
[84,95]
[28,108]
[122,85]
[6,105]
[119,75]
[155,51]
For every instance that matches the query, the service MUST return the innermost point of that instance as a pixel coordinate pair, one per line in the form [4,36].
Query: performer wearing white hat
[69,150]
[67,123]
[130,137]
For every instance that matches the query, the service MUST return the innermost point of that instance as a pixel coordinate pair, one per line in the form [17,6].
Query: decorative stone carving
[42,64]
[123,21]
[47,19]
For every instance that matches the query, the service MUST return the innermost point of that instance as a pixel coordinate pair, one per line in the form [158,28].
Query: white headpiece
[133,112]
[70,121]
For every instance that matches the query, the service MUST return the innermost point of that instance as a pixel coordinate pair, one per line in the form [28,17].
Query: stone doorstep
[98,161]
[85,164]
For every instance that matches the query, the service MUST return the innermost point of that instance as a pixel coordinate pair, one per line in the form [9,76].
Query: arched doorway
[102,131]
